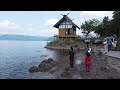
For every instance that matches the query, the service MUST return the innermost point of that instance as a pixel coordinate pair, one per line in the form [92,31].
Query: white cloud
[8,24]
[46,27]
[48,32]
[8,27]
[86,15]
[30,25]
[51,22]
[95,13]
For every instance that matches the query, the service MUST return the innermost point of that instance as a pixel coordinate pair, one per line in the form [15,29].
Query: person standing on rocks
[71,57]
[87,62]
[89,50]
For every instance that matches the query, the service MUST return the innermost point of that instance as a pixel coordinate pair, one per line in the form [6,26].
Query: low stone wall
[65,45]
[52,47]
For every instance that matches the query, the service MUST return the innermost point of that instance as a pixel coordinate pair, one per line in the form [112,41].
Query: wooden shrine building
[66,29]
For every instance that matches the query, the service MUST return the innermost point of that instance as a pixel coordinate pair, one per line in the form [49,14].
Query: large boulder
[46,65]
[52,71]
[33,69]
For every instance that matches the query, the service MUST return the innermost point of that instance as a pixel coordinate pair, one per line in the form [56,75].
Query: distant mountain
[22,37]
[50,39]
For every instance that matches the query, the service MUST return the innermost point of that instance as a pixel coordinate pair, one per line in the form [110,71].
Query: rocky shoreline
[44,66]
[103,67]
[65,45]
[51,47]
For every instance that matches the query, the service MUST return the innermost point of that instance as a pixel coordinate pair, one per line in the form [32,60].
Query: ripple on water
[16,57]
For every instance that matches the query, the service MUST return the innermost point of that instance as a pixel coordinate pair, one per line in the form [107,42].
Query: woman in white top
[105,46]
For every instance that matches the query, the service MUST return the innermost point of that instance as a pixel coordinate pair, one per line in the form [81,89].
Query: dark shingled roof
[65,17]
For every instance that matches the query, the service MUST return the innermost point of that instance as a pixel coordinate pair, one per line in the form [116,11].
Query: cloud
[46,27]
[30,25]
[8,27]
[8,24]
[86,15]
[49,29]
[48,32]
[51,22]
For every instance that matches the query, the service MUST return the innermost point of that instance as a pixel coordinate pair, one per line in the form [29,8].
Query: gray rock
[43,56]
[50,59]
[33,69]
[65,74]
[67,69]
[46,65]
[52,71]
[107,67]
[102,68]
[99,53]
[68,72]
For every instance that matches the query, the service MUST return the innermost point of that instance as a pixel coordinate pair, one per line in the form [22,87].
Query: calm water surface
[16,57]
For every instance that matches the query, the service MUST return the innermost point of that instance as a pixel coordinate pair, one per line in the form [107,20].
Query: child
[87,62]
[89,49]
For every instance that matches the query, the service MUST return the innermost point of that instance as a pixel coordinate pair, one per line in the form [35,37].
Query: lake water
[16,57]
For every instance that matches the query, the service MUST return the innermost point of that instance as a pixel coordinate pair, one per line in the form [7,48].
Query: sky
[40,23]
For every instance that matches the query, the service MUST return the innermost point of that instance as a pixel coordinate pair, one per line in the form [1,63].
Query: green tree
[103,29]
[110,27]
[89,26]
[115,25]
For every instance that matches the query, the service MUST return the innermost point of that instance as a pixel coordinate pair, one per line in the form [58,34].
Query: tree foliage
[116,23]
[89,26]
[103,28]
[110,27]
[106,27]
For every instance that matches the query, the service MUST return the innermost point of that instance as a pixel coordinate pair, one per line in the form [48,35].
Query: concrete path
[112,53]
